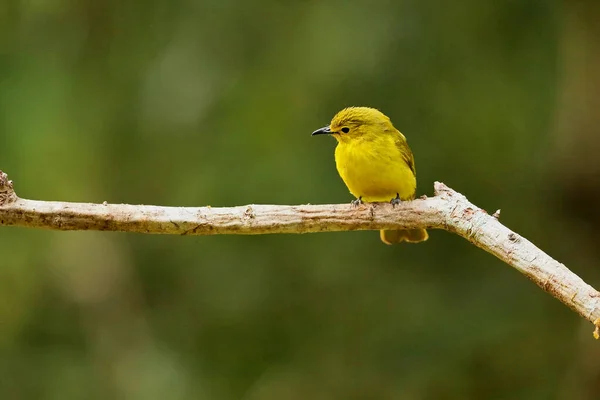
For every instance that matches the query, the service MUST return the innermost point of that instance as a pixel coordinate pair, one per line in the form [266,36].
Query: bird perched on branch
[375,162]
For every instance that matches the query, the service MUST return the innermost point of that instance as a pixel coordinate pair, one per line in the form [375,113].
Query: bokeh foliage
[190,102]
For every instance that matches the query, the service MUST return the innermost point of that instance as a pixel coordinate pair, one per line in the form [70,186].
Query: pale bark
[447,210]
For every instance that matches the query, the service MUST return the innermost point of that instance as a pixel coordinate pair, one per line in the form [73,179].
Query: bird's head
[356,122]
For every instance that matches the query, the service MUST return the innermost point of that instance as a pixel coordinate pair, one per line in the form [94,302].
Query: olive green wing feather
[407,155]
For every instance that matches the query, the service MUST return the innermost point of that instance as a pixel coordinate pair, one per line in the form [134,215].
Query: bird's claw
[357,202]
[396,200]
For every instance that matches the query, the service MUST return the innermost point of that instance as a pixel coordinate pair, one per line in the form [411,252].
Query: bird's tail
[404,235]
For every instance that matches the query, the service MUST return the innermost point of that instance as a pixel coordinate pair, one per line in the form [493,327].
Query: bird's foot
[396,200]
[357,202]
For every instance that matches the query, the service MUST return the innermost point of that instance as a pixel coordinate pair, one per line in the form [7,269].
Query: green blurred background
[206,102]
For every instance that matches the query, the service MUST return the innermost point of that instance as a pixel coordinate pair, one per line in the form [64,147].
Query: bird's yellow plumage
[375,162]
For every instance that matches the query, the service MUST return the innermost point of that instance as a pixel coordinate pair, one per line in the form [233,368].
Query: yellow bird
[375,162]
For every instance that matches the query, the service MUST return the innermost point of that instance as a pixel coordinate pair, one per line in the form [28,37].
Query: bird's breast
[375,171]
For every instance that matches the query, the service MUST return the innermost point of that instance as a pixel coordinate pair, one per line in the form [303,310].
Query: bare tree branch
[447,210]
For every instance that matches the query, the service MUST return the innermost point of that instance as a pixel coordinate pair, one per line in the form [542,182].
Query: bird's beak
[323,131]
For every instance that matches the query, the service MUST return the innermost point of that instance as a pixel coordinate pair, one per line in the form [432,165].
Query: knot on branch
[7,193]
[440,189]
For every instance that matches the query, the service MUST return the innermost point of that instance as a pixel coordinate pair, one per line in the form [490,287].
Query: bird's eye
[345,129]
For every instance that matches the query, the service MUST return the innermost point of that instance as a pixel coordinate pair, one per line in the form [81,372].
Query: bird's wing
[407,155]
